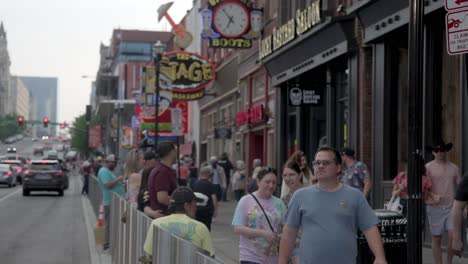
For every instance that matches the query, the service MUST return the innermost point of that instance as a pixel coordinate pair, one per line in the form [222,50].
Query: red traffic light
[45,121]
[20,119]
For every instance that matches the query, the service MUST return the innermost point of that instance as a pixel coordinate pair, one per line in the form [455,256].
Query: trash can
[393,229]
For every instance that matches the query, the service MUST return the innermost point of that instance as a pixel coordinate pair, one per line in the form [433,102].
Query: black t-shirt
[227,166]
[462,189]
[143,187]
[207,188]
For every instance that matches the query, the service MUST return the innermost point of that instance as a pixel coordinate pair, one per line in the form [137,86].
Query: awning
[384,16]
[310,50]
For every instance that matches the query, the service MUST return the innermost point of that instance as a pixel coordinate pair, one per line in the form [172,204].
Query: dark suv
[44,175]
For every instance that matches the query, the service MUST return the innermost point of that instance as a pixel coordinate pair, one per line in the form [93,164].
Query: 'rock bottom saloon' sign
[231,23]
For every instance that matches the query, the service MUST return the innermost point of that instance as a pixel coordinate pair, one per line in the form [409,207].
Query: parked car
[38,150]
[8,175]
[18,166]
[44,175]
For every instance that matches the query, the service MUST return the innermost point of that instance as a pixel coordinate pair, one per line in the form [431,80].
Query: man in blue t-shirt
[356,173]
[108,183]
[329,215]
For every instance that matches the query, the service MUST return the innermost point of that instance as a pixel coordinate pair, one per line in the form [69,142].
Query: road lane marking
[9,195]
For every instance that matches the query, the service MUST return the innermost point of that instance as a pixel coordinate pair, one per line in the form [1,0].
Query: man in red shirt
[162,180]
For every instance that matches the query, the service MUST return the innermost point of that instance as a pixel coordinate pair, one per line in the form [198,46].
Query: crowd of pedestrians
[318,209]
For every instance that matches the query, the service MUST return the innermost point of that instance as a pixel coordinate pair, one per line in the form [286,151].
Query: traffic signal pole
[415,86]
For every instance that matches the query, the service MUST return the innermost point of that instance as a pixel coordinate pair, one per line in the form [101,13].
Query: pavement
[225,241]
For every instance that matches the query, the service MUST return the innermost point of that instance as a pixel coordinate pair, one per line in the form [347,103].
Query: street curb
[94,255]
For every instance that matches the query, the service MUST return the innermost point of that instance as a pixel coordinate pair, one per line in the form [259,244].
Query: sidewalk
[226,242]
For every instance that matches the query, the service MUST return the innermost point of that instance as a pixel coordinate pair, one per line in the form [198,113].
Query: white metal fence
[127,239]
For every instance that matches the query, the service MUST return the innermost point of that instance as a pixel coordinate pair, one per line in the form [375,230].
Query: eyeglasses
[325,163]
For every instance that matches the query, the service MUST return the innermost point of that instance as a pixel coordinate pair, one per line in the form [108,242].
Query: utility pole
[416,74]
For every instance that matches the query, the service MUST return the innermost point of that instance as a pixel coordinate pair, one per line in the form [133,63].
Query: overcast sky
[61,38]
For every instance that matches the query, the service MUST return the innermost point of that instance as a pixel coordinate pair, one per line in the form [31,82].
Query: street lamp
[158,50]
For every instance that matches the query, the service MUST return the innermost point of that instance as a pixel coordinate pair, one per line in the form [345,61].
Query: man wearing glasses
[329,215]
[445,176]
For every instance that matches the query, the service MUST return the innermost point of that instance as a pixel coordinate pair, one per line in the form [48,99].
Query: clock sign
[231,23]
[231,19]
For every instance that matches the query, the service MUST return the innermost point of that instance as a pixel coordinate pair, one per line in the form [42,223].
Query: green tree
[9,126]
[79,140]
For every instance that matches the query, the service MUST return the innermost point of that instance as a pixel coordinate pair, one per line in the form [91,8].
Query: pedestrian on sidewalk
[400,187]
[181,223]
[239,180]
[226,164]
[218,177]
[459,211]
[294,181]
[133,168]
[444,176]
[150,162]
[252,183]
[356,174]
[162,180]
[207,209]
[86,171]
[329,215]
[257,219]
[109,182]
[307,178]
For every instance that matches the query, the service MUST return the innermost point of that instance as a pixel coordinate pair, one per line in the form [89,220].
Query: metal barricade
[127,239]
[94,194]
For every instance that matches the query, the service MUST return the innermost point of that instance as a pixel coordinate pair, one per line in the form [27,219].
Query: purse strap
[266,216]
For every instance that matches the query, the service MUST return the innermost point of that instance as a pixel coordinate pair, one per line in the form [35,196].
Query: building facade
[43,91]
[19,98]
[4,71]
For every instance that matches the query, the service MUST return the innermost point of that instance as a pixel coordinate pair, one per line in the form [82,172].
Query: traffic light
[45,121]
[20,121]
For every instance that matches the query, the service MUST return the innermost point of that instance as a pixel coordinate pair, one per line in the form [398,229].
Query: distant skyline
[61,38]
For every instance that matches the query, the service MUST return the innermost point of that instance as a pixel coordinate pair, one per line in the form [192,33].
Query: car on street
[18,166]
[38,150]
[44,175]
[53,155]
[11,150]
[34,139]
[8,175]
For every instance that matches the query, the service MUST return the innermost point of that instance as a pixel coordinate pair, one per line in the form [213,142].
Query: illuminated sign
[305,19]
[231,23]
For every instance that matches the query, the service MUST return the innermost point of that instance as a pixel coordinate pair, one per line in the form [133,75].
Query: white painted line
[9,195]
[93,253]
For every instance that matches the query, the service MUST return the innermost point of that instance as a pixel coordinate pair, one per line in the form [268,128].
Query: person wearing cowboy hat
[444,176]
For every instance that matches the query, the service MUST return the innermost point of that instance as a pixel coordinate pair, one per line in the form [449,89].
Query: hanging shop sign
[147,119]
[303,97]
[231,23]
[222,133]
[252,115]
[188,73]
[305,19]
[94,137]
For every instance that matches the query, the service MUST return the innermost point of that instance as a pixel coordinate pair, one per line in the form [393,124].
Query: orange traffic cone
[101,216]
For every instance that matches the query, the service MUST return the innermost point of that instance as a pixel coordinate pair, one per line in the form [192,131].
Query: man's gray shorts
[440,220]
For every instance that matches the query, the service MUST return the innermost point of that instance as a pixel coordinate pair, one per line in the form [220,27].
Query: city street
[42,228]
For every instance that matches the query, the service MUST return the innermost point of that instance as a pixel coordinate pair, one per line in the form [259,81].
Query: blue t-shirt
[354,175]
[329,223]
[105,176]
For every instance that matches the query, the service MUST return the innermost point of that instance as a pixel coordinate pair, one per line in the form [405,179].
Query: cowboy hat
[440,145]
